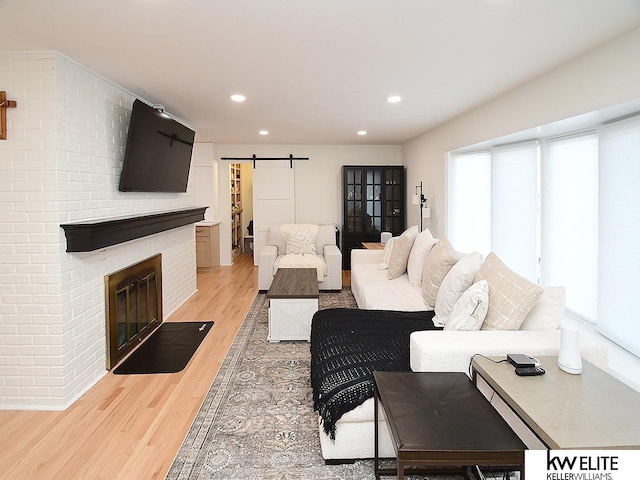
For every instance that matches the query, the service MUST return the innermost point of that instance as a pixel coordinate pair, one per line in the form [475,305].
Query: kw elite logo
[581,467]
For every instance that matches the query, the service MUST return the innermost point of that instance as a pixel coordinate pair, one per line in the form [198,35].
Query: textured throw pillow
[471,308]
[439,261]
[548,310]
[511,297]
[386,254]
[400,253]
[422,245]
[399,257]
[455,283]
[301,242]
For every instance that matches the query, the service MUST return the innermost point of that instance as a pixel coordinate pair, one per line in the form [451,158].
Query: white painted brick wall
[61,164]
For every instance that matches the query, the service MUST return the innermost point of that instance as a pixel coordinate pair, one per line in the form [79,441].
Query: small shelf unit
[237,241]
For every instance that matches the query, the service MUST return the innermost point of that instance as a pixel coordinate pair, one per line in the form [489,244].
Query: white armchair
[326,250]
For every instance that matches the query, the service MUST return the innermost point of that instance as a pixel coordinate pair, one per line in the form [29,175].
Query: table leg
[376,466]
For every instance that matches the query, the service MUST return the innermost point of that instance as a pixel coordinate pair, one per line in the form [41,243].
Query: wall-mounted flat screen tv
[158,153]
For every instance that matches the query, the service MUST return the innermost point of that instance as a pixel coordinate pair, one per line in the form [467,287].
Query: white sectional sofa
[437,350]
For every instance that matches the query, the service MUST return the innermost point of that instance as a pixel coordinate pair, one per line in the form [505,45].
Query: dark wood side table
[442,421]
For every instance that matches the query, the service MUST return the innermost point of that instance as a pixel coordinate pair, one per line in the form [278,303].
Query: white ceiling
[316,71]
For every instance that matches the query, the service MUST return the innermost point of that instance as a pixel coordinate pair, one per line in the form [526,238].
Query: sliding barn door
[273,199]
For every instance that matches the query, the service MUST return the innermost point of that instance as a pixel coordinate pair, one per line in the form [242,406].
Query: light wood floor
[131,426]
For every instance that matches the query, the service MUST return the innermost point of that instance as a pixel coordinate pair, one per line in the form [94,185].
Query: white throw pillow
[399,257]
[301,243]
[470,310]
[455,283]
[511,297]
[547,313]
[386,254]
[439,261]
[411,232]
[422,245]
[400,252]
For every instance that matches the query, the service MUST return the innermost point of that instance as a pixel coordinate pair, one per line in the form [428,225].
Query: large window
[562,211]
[619,234]
[493,204]
[470,202]
[570,230]
[514,207]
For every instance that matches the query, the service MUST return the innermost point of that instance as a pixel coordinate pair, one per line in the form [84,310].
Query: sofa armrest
[362,255]
[333,257]
[451,351]
[267,258]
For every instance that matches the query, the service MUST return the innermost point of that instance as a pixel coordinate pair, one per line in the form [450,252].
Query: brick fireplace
[61,164]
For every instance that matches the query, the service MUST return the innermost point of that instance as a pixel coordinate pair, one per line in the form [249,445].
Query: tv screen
[158,153]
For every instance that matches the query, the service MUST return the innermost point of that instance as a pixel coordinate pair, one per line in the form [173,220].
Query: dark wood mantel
[92,235]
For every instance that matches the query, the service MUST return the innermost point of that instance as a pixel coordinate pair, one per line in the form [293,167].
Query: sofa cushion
[400,253]
[470,310]
[422,245]
[511,297]
[302,261]
[439,261]
[455,283]
[548,310]
[374,291]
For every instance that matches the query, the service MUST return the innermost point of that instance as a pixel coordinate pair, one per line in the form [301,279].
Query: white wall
[606,76]
[318,181]
[203,177]
[61,163]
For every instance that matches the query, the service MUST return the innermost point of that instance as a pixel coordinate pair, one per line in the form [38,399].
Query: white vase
[569,359]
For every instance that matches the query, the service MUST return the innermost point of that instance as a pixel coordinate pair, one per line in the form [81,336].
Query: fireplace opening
[133,306]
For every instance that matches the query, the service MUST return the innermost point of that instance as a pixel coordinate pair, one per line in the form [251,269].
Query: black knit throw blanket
[347,346]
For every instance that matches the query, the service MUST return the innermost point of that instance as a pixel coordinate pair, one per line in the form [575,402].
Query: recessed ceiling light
[238,98]
[263,132]
[362,132]
[394,99]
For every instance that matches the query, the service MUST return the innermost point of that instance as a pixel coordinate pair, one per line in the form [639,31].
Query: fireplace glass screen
[134,305]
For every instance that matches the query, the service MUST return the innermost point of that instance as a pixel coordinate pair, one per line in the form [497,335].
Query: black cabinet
[373,202]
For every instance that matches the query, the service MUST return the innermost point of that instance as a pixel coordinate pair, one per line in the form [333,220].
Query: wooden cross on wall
[4,104]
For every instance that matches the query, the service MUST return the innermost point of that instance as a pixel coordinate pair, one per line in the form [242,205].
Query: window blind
[619,230]
[570,228]
[469,202]
[514,207]
[588,228]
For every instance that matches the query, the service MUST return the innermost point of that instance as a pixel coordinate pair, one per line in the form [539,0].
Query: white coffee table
[293,299]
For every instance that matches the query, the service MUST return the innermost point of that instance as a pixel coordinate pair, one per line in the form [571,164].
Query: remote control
[529,371]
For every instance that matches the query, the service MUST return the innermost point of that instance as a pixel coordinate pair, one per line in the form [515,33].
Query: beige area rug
[257,420]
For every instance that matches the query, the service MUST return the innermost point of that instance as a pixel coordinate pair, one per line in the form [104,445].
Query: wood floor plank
[131,426]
